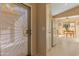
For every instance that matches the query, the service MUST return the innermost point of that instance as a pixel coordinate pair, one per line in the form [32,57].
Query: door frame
[29,7]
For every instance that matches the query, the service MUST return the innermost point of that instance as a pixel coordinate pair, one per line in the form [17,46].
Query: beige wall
[43,25]
[40,29]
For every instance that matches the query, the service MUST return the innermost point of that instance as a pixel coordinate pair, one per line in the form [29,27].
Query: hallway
[65,30]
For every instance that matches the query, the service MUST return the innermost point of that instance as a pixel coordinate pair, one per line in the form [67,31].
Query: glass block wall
[13,23]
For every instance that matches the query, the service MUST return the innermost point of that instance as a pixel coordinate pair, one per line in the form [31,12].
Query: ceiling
[58,8]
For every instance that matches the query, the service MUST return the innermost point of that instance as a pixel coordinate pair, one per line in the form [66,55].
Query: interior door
[15,30]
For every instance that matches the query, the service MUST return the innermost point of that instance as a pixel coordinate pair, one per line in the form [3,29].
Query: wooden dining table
[69,33]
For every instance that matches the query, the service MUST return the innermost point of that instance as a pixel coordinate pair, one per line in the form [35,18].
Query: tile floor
[65,47]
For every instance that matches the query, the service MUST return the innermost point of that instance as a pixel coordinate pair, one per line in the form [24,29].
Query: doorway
[15,29]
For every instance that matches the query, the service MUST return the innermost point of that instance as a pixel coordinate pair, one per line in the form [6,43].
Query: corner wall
[41,29]
[33,25]
[48,28]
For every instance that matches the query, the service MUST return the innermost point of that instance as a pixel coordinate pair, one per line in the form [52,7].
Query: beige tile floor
[65,47]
